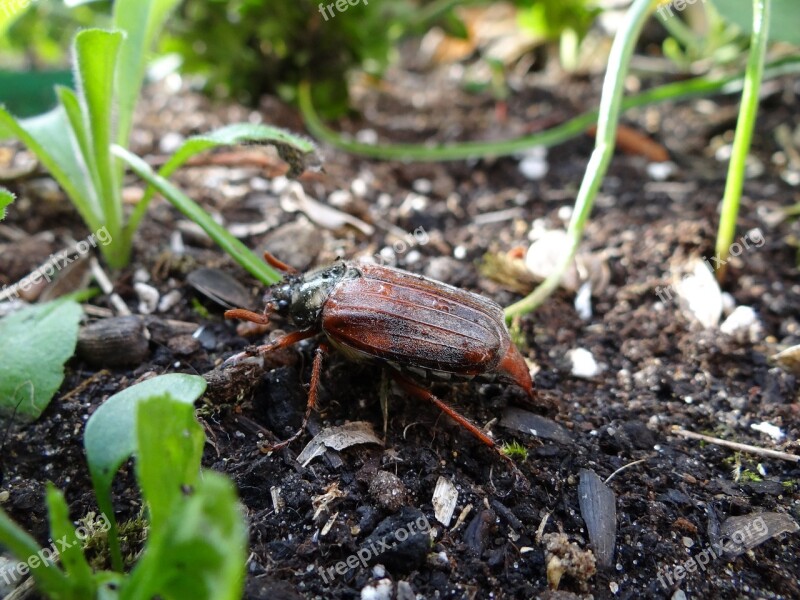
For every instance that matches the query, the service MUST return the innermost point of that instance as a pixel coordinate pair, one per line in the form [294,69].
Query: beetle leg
[420,392]
[316,371]
[281,342]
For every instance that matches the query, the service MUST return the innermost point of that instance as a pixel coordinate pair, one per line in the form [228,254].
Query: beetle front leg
[316,372]
[282,342]
[423,394]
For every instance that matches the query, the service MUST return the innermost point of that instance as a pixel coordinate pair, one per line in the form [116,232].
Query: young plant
[744,132]
[73,141]
[194,517]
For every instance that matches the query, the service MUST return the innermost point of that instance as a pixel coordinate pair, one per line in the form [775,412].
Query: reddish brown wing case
[404,318]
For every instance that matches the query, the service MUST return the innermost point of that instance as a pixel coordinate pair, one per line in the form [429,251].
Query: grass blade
[238,251]
[610,108]
[745,124]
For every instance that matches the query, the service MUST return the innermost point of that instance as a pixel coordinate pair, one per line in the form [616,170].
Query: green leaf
[200,554]
[70,548]
[49,579]
[50,137]
[170,446]
[6,198]
[784,22]
[96,60]
[238,251]
[142,20]
[298,151]
[197,542]
[36,342]
[110,436]
[82,136]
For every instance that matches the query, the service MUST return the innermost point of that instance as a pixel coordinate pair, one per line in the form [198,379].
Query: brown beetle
[419,328]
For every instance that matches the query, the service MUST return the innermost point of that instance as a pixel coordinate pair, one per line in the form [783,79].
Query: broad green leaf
[169,449]
[142,21]
[201,551]
[110,436]
[298,151]
[23,546]
[96,60]
[784,23]
[49,136]
[34,345]
[6,198]
[70,548]
[237,250]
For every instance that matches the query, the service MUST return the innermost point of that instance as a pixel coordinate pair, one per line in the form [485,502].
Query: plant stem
[610,108]
[745,124]
[681,90]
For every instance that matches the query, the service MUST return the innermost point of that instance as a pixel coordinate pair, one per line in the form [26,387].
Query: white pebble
[422,186]
[661,171]
[148,297]
[380,590]
[169,300]
[743,324]
[170,142]
[359,187]
[533,168]
[771,430]
[583,363]
[367,136]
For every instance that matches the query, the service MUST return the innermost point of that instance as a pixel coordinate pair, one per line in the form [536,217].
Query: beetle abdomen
[407,319]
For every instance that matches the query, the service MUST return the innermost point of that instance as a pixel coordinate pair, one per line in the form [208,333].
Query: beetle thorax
[309,294]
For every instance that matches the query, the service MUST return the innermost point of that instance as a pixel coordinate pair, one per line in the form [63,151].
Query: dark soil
[660,368]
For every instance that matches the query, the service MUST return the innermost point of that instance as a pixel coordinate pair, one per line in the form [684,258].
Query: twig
[623,467]
[84,384]
[736,445]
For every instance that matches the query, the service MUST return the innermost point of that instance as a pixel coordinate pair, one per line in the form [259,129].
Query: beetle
[420,329]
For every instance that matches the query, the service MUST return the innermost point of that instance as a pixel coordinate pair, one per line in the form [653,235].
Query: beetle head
[302,297]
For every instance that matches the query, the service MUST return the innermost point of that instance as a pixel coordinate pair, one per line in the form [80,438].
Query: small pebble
[380,590]
[388,490]
[661,171]
[169,300]
[170,142]
[148,297]
[367,136]
[583,363]
[422,186]
[405,591]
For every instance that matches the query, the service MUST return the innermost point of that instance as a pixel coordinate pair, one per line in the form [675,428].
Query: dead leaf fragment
[338,438]
[789,359]
[445,497]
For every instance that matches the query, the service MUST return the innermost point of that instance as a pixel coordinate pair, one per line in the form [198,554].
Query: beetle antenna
[247,315]
[278,264]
